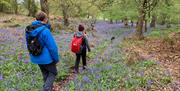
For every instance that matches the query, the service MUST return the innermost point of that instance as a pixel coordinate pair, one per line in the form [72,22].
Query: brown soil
[63,83]
[59,85]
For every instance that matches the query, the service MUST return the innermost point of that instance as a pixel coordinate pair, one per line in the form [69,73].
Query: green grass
[98,50]
[116,75]
[159,33]
[113,75]
[18,75]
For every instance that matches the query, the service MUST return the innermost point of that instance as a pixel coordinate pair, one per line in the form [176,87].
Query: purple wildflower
[157,62]
[26,61]
[19,56]
[167,73]
[95,69]
[149,82]
[12,89]
[86,79]
[81,86]
[2,58]
[97,76]
[1,77]
[91,70]
[141,73]
[109,67]
[19,75]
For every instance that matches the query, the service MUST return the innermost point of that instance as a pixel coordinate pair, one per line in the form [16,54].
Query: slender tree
[144,7]
[15,3]
[65,5]
[6,6]
[153,21]
[44,6]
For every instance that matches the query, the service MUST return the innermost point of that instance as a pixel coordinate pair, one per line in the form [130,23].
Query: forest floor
[120,64]
[162,46]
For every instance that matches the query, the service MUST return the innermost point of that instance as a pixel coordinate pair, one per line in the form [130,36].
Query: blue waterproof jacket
[50,50]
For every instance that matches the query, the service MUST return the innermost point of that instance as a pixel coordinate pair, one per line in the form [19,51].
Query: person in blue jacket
[49,56]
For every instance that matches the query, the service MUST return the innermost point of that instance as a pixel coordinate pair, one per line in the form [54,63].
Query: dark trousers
[49,72]
[78,57]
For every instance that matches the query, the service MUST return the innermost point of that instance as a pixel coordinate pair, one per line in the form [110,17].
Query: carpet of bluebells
[107,71]
[19,74]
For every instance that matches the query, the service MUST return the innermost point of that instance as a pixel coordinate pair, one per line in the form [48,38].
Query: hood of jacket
[79,34]
[41,27]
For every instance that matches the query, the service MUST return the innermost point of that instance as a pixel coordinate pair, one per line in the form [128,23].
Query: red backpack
[76,44]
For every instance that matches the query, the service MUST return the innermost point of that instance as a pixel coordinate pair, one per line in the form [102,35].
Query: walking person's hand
[89,50]
[57,63]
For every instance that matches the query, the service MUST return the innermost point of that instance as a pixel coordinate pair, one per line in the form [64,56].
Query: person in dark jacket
[49,56]
[84,47]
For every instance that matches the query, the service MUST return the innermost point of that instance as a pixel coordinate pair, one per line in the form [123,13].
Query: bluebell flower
[26,61]
[2,58]
[167,73]
[149,82]
[95,69]
[19,74]
[97,76]
[19,56]
[1,77]
[91,70]
[109,67]
[157,62]
[141,73]
[12,89]
[86,79]
[178,89]
[81,86]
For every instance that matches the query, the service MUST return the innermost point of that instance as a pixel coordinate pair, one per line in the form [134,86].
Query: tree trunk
[153,21]
[132,23]
[168,25]
[32,8]
[145,26]
[104,18]
[139,30]
[1,7]
[116,21]
[125,22]
[88,16]
[111,21]
[44,6]
[29,7]
[65,16]
[163,16]
[15,7]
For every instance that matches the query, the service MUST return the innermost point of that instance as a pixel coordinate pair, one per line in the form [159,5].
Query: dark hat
[81,28]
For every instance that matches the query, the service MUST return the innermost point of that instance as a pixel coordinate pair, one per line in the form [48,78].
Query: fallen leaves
[165,50]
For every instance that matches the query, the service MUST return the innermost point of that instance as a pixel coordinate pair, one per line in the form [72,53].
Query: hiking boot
[84,67]
[76,71]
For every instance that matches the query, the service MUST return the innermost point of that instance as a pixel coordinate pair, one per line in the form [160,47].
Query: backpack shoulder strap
[28,28]
[31,27]
[75,35]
